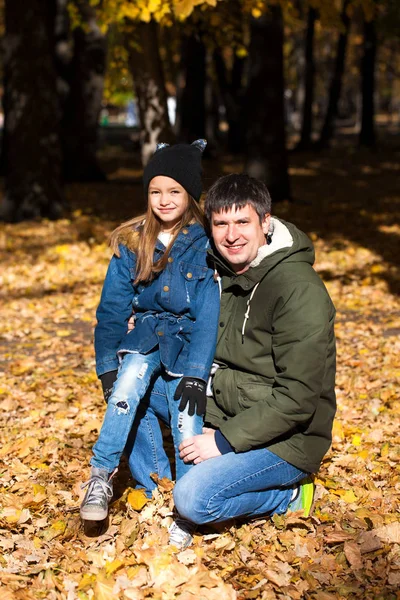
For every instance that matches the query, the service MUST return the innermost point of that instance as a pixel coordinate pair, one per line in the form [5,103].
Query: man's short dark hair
[239,190]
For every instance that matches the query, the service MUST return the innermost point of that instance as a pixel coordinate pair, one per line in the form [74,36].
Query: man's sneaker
[303,497]
[180,533]
[98,495]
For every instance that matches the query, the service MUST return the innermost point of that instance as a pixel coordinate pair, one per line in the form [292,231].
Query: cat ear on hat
[160,146]
[200,144]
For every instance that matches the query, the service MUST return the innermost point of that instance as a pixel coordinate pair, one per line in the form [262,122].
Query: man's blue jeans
[134,378]
[245,484]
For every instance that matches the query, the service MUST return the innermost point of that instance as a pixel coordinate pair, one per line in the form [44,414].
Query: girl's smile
[168,200]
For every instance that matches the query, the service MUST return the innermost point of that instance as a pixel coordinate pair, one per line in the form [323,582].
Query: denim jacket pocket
[192,275]
[192,272]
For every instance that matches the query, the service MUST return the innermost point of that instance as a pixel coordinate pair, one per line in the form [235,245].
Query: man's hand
[199,448]
[193,392]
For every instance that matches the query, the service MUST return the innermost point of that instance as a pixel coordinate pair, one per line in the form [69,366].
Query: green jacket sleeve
[301,325]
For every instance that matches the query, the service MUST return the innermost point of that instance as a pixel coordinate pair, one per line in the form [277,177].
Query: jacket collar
[185,237]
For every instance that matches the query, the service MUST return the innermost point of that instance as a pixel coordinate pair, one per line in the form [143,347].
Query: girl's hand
[131,323]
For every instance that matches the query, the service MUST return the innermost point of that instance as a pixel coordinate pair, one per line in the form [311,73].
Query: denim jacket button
[160,333]
[166,288]
[189,275]
[185,231]
[170,259]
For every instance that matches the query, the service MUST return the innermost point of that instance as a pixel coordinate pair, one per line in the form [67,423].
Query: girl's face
[168,201]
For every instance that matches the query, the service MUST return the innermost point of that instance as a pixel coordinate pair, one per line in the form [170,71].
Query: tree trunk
[82,104]
[336,83]
[367,133]
[232,98]
[32,113]
[266,155]
[191,107]
[148,79]
[309,72]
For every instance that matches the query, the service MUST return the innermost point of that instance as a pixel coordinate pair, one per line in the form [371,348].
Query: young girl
[159,271]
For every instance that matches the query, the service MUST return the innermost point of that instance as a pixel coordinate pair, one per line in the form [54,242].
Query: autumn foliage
[52,406]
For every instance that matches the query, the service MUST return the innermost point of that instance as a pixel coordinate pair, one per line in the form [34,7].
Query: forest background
[304,95]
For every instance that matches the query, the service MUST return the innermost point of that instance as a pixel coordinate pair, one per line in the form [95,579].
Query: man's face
[238,234]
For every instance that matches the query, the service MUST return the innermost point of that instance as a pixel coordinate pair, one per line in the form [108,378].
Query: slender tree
[231,92]
[32,151]
[148,78]
[266,155]
[367,132]
[191,105]
[336,82]
[309,75]
[82,70]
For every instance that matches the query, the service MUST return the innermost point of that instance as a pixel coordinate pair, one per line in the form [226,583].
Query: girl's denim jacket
[178,311]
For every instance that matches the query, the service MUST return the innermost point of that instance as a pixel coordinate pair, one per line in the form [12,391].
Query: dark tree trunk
[84,78]
[266,155]
[336,83]
[211,102]
[232,98]
[148,80]
[309,73]
[191,107]
[32,113]
[367,133]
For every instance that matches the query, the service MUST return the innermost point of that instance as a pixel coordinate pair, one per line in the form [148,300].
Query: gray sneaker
[180,533]
[99,492]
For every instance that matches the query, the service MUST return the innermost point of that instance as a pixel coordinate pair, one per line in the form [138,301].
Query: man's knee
[190,500]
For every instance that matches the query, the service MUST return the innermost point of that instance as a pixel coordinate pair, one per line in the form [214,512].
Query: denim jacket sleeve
[114,311]
[204,334]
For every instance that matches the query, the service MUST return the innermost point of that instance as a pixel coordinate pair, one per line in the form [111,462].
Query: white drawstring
[247,313]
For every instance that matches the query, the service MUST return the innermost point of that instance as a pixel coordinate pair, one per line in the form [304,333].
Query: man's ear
[265,223]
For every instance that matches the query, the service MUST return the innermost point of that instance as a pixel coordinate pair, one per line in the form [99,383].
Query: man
[269,419]
[269,416]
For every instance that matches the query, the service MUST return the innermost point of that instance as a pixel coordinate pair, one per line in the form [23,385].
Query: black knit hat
[181,162]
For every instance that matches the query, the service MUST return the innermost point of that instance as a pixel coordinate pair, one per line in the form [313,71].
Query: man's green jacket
[275,383]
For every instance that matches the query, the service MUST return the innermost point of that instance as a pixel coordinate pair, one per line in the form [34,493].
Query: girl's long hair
[140,235]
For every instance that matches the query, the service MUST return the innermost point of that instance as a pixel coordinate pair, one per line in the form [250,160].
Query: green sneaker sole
[307,496]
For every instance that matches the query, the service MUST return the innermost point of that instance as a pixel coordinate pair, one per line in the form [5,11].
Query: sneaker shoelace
[96,487]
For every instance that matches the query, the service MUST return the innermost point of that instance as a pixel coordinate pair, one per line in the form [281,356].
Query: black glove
[193,391]
[107,382]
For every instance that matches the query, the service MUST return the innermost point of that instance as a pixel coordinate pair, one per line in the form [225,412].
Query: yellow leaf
[104,589]
[337,431]
[38,489]
[55,530]
[349,497]
[385,449]
[64,332]
[11,514]
[113,566]
[241,52]
[363,454]
[86,581]
[137,499]
[356,441]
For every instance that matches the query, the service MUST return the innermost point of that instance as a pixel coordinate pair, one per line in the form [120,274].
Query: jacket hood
[284,243]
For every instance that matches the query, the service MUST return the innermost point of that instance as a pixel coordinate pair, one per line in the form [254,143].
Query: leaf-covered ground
[51,410]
